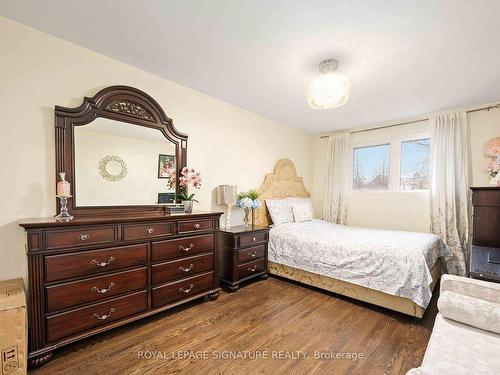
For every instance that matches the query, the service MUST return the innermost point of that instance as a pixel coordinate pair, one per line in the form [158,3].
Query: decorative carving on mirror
[122,104]
[130,108]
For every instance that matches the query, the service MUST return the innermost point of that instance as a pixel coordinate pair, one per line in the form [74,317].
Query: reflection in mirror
[121,164]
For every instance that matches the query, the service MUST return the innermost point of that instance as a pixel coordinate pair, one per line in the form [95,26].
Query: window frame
[395,148]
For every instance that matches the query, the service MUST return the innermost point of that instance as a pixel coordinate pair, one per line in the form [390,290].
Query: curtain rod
[412,122]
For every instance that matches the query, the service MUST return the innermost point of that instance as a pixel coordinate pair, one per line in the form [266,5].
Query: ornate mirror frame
[120,103]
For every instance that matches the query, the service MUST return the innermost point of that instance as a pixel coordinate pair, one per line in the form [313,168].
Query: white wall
[377,209]
[140,185]
[403,210]
[230,145]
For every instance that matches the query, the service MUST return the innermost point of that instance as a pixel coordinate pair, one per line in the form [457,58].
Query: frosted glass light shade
[329,90]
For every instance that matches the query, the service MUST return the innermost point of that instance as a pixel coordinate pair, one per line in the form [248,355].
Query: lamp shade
[226,195]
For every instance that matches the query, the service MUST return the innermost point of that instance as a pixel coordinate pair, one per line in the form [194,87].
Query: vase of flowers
[491,166]
[249,201]
[189,177]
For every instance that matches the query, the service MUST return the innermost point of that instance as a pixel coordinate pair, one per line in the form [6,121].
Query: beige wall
[403,210]
[228,144]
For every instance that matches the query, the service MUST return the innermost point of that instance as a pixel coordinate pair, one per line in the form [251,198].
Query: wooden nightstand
[242,255]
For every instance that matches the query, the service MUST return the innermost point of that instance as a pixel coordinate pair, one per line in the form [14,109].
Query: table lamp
[226,196]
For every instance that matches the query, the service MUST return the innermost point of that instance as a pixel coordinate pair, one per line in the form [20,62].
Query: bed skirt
[375,297]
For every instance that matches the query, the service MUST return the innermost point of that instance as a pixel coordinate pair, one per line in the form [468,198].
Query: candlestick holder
[63,214]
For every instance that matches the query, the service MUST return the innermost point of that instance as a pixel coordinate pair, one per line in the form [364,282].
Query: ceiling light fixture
[330,89]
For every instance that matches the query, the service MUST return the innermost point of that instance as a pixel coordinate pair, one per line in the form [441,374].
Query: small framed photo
[165,164]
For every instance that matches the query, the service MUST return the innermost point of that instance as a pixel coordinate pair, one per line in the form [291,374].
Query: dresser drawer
[249,269]
[251,253]
[188,226]
[184,288]
[169,249]
[177,269]
[145,231]
[86,263]
[97,288]
[82,237]
[85,318]
[250,239]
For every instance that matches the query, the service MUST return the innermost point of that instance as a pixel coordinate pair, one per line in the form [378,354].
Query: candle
[63,186]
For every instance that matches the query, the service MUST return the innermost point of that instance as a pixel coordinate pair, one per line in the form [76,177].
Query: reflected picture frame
[165,162]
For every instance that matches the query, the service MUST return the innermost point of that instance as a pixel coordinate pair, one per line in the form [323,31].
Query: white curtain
[449,186]
[337,178]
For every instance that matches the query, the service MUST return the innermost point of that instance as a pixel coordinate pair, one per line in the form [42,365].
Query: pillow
[280,210]
[472,311]
[302,209]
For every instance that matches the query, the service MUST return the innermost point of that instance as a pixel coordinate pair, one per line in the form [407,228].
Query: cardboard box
[13,328]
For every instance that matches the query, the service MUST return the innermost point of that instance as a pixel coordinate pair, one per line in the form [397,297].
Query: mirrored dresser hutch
[124,256]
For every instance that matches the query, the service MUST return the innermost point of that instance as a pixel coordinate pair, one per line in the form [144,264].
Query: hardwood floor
[269,318]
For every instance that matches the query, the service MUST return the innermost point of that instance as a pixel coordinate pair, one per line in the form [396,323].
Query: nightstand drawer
[184,288]
[97,288]
[145,231]
[169,249]
[88,263]
[251,253]
[81,237]
[188,226]
[252,238]
[164,272]
[249,269]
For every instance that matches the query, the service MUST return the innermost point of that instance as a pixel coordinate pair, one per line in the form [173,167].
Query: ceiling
[404,58]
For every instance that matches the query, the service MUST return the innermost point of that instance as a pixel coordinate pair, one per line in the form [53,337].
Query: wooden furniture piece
[122,104]
[485,252]
[114,264]
[242,254]
[284,182]
[93,274]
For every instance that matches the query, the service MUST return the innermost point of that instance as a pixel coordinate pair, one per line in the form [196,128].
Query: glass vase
[246,218]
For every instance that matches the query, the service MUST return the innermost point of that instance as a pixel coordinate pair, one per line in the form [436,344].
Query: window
[414,170]
[371,167]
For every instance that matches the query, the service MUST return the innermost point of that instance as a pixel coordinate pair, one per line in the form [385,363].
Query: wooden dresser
[485,252]
[93,274]
[242,253]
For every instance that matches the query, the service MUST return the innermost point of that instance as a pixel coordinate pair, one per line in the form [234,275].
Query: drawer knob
[186,269]
[150,230]
[253,268]
[187,290]
[102,264]
[197,226]
[253,254]
[83,236]
[254,239]
[186,249]
[104,316]
[103,290]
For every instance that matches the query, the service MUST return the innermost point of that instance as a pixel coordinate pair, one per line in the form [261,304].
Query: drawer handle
[103,290]
[197,226]
[186,249]
[150,230]
[184,290]
[254,239]
[253,268]
[186,269]
[253,254]
[102,264]
[83,236]
[104,316]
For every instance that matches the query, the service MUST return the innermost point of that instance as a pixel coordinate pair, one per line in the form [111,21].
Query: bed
[393,269]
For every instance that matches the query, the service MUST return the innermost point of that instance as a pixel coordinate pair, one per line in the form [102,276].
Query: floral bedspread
[394,262]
